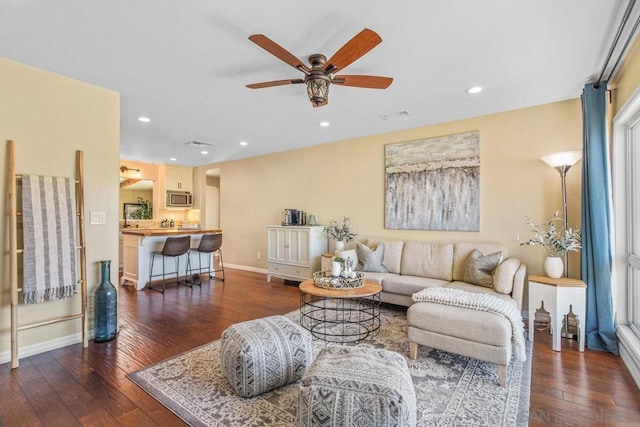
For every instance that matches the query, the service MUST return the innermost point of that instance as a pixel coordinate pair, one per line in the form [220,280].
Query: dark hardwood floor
[69,386]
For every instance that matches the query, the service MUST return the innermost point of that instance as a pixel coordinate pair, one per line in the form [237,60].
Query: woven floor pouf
[357,386]
[263,354]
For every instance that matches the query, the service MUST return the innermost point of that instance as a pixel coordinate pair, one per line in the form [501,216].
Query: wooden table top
[165,232]
[368,289]
[563,282]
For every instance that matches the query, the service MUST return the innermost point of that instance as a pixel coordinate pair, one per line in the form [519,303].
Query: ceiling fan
[320,76]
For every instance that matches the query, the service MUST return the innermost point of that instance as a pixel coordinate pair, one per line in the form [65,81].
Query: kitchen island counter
[138,245]
[168,232]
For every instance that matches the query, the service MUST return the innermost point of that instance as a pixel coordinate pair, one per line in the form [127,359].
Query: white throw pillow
[350,254]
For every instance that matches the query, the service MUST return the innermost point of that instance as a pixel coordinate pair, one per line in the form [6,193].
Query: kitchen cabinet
[178,178]
[294,251]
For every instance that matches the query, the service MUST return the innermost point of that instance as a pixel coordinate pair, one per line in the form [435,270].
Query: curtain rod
[624,48]
[625,18]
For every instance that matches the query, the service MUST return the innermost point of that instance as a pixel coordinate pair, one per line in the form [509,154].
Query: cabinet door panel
[299,246]
[278,246]
[173,180]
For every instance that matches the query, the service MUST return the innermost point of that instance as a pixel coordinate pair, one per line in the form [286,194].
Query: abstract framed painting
[433,184]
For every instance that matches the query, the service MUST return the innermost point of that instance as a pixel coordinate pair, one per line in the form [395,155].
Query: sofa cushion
[469,325]
[370,276]
[392,253]
[503,275]
[409,285]
[479,289]
[370,259]
[479,268]
[432,260]
[462,250]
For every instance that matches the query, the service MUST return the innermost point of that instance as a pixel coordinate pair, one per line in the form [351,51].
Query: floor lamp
[562,162]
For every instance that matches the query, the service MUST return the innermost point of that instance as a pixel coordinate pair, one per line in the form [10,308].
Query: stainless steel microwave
[179,199]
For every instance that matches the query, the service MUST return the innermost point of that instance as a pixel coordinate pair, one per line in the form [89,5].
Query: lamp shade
[565,158]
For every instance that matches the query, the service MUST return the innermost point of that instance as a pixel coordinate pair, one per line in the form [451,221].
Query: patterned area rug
[451,390]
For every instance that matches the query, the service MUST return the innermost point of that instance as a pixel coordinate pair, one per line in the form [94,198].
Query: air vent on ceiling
[198,143]
[396,115]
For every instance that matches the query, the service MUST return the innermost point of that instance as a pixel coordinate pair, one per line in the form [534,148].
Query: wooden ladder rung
[49,322]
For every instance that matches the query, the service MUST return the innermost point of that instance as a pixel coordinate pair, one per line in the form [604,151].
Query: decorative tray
[324,279]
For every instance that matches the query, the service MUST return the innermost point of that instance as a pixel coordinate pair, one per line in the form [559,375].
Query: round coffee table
[340,315]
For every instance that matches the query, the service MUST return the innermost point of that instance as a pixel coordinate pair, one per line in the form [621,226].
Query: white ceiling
[184,64]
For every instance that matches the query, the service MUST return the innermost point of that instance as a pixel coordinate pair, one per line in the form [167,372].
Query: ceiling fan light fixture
[318,89]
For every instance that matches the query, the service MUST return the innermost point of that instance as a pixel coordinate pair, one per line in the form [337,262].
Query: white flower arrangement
[339,230]
[556,239]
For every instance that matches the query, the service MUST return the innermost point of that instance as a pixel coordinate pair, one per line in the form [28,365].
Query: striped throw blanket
[482,302]
[49,235]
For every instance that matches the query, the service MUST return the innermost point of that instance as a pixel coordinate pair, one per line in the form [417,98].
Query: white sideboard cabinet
[294,251]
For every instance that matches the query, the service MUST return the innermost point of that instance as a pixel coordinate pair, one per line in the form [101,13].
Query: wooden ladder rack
[15,251]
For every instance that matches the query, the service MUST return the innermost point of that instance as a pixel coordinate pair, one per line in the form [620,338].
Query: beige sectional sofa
[413,266]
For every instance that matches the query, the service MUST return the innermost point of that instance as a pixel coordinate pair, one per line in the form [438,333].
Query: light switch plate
[98,217]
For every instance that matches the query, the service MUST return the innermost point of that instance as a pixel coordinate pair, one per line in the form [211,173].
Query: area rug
[451,390]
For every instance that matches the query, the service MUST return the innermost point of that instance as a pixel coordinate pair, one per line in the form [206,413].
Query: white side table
[559,295]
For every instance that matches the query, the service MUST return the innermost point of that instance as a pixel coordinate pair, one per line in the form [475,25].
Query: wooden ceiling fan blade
[370,82]
[275,83]
[278,51]
[355,48]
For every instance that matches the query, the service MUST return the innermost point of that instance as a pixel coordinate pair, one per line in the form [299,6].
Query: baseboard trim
[247,268]
[629,346]
[34,349]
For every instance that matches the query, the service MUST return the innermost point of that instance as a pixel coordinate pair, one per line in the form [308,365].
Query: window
[626,208]
[633,223]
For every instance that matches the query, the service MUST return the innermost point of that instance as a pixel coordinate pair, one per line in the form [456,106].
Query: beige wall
[627,77]
[50,117]
[347,179]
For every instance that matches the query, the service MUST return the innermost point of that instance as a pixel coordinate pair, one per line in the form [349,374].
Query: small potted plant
[557,240]
[340,232]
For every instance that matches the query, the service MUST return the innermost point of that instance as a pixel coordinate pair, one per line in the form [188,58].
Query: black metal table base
[340,320]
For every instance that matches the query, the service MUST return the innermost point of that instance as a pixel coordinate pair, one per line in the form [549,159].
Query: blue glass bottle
[106,306]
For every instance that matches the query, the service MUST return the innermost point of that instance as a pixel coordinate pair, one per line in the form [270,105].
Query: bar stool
[174,247]
[209,244]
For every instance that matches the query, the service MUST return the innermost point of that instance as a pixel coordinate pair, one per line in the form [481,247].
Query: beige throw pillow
[479,268]
[370,259]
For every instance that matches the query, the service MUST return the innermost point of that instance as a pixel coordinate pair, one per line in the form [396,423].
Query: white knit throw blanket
[482,302]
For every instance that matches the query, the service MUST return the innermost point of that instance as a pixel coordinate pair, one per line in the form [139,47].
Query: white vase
[553,267]
[336,268]
[339,245]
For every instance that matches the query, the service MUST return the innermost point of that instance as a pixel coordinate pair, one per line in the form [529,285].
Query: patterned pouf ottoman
[357,386]
[263,354]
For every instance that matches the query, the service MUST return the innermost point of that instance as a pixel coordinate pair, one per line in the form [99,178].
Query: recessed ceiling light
[475,89]
[173,159]
[324,124]
[144,119]
[204,152]
[244,143]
